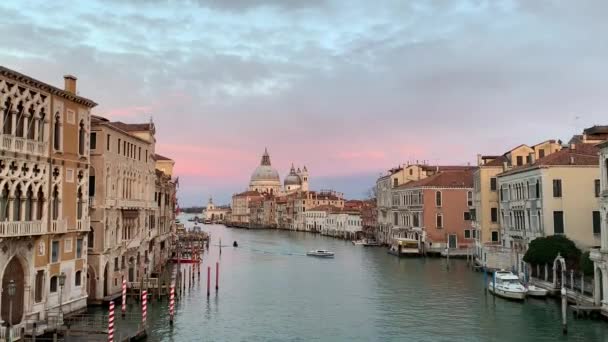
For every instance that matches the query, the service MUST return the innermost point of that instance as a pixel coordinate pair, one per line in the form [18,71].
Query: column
[14,122]
[34,206]
[11,210]
[36,128]
[25,125]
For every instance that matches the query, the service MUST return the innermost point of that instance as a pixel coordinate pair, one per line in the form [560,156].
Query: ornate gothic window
[81,136]
[55,203]
[8,117]
[57,133]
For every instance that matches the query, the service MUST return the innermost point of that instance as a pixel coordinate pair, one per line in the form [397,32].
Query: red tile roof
[159,157]
[132,127]
[444,179]
[581,155]
[497,162]
[248,194]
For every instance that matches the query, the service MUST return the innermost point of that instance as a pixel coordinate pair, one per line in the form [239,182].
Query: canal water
[270,291]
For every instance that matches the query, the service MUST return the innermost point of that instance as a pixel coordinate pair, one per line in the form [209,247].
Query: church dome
[292,178]
[265,173]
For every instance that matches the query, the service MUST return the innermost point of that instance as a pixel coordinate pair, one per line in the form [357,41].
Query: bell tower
[304,177]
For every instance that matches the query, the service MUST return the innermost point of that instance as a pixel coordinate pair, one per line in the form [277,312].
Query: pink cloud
[128,111]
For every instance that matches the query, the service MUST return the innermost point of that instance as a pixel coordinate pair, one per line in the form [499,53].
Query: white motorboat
[372,243]
[359,242]
[321,253]
[535,291]
[506,284]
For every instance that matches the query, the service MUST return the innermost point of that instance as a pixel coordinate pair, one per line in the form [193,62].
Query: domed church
[265,179]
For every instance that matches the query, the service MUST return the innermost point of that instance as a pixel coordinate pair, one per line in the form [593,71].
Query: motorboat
[507,285]
[359,242]
[321,253]
[535,291]
[371,243]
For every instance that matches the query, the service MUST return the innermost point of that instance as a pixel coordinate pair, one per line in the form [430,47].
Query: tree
[586,264]
[543,250]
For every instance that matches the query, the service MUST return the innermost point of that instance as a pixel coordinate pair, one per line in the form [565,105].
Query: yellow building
[556,194]
[44,185]
[485,209]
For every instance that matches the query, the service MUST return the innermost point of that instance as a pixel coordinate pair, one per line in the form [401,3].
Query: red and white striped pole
[171,304]
[144,307]
[111,323]
[124,297]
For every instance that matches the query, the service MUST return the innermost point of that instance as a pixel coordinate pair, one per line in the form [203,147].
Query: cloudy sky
[347,88]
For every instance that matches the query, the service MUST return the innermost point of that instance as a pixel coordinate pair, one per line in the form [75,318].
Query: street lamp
[61,284]
[12,289]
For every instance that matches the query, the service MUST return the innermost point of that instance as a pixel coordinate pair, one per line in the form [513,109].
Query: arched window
[438,198]
[91,238]
[78,278]
[57,133]
[8,117]
[41,125]
[53,287]
[40,204]
[55,203]
[31,123]
[17,203]
[537,189]
[81,135]
[79,210]
[20,121]
[29,204]
[4,203]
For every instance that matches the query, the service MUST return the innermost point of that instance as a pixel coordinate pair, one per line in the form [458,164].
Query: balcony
[23,228]
[92,202]
[82,225]
[58,227]
[15,144]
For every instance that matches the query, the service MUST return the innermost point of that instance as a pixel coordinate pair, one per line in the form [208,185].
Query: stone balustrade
[21,145]
[21,228]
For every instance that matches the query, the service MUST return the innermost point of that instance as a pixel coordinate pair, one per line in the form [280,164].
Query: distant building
[215,213]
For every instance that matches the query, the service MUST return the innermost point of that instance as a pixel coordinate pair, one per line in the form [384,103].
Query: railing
[82,225]
[16,144]
[59,226]
[15,333]
[21,228]
[91,201]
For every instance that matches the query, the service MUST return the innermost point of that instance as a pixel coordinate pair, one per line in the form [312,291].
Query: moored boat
[506,284]
[321,253]
[359,242]
[371,243]
[535,291]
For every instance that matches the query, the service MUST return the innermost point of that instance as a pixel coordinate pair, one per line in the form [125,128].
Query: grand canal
[270,291]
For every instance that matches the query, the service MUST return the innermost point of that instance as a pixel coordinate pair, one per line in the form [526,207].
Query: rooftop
[580,155]
[444,179]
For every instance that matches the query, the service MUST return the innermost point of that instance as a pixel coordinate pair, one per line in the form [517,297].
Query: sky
[347,88]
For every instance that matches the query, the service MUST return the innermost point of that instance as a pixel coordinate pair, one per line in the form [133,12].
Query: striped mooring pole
[124,297]
[171,304]
[111,323]
[144,307]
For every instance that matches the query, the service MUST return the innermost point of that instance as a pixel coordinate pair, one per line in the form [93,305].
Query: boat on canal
[535,291]
[321,253]
[507,285]
[359,242]
[371,243]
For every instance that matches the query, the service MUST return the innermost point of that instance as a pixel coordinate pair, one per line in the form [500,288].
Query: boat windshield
[510,281]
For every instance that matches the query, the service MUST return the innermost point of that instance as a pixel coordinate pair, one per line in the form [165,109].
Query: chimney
[504,166]
[70,84]
[479,160]
[532,157]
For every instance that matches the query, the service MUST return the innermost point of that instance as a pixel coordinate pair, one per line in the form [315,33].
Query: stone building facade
[44,184]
